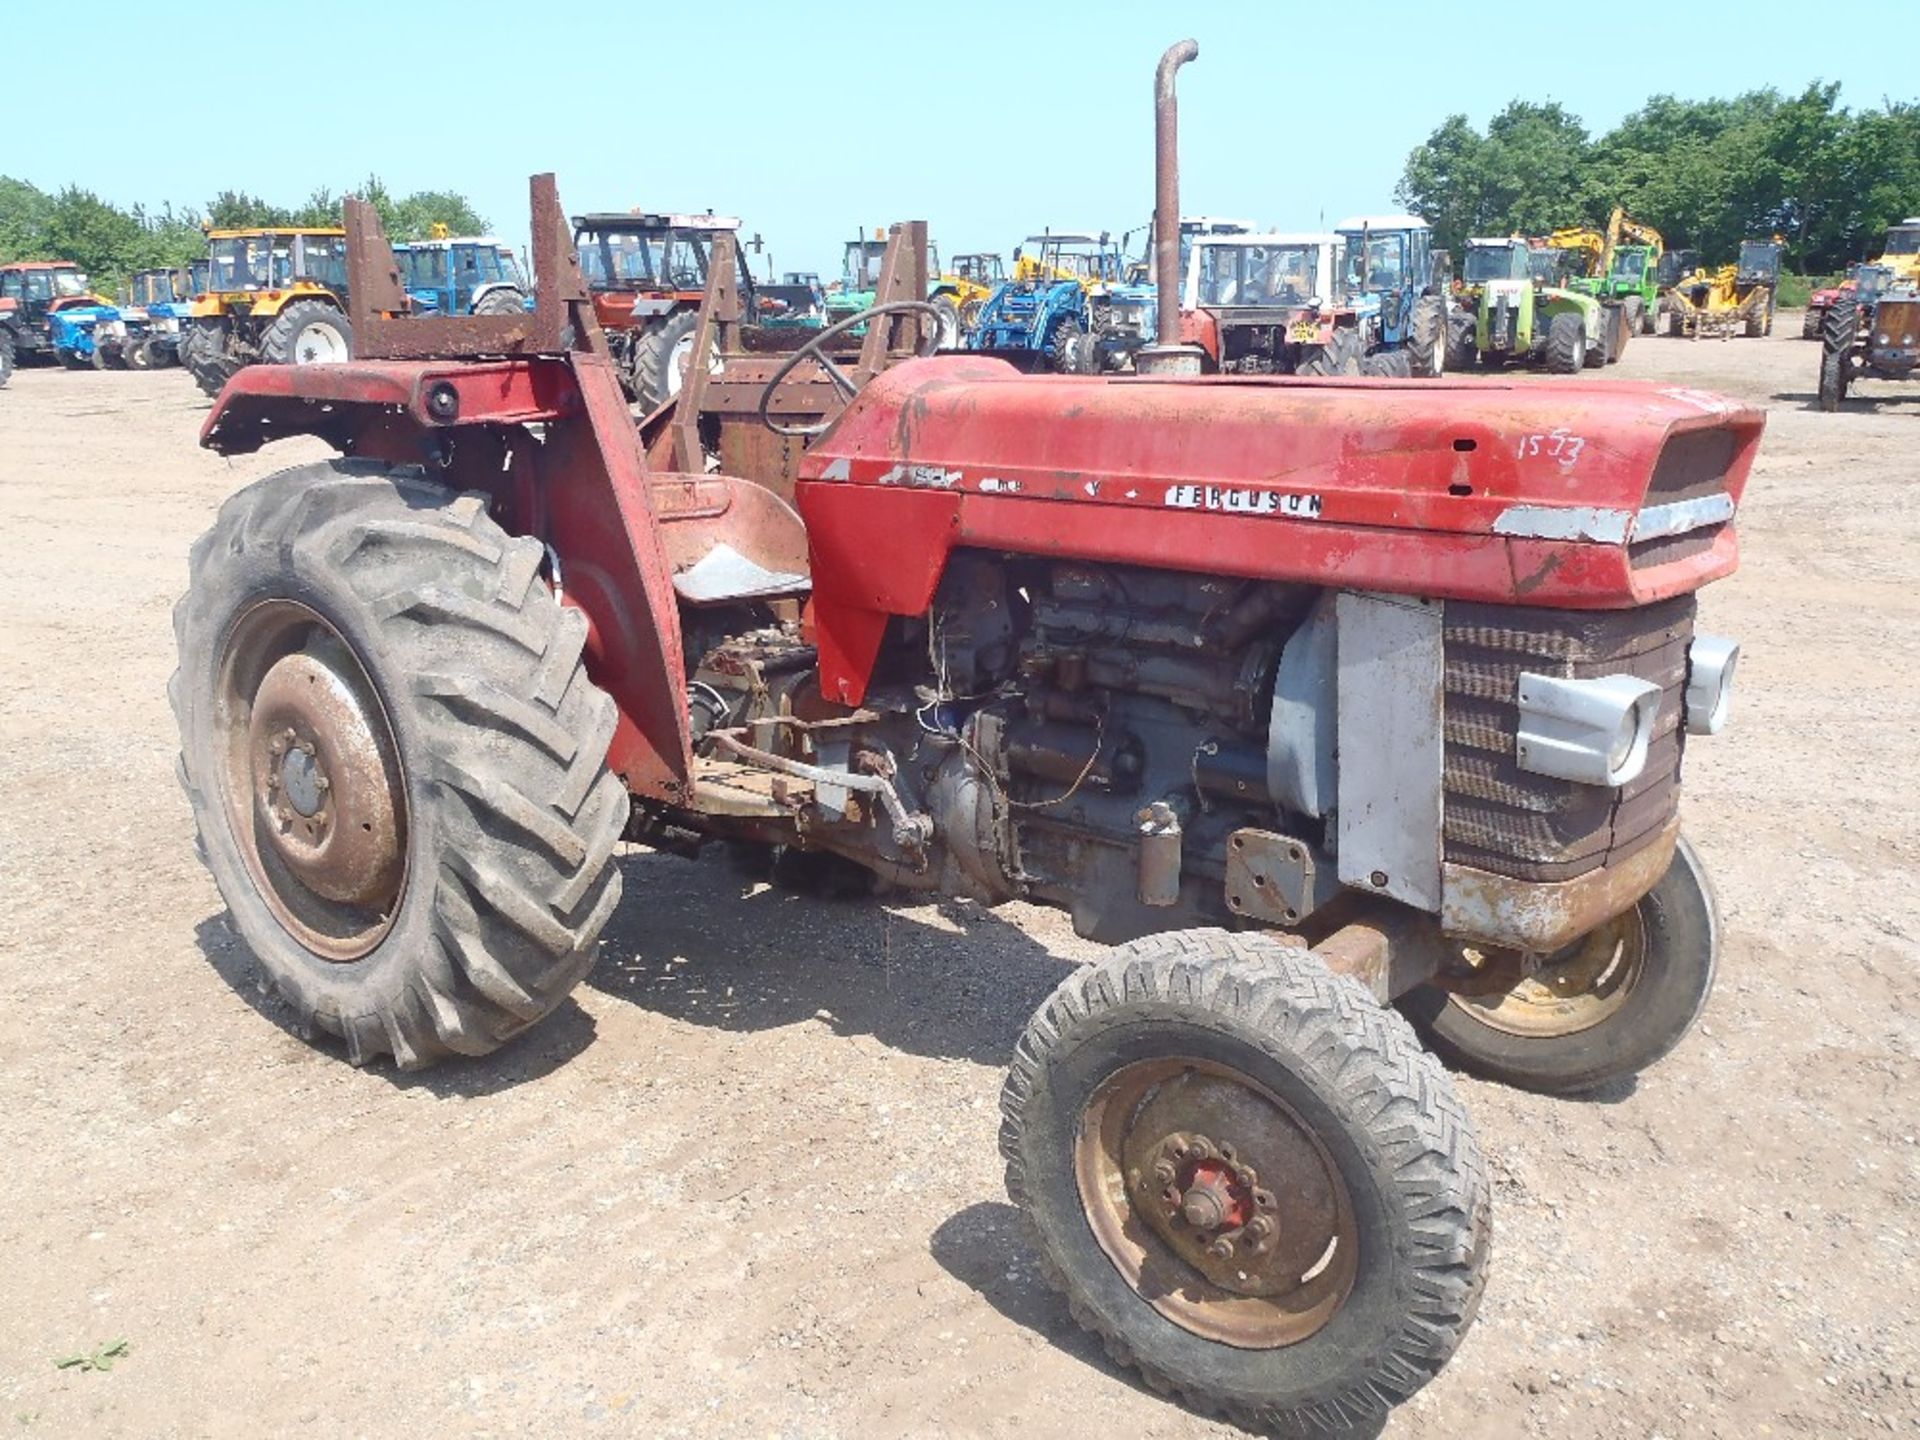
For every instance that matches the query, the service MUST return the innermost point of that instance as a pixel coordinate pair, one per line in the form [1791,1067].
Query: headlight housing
[1595,732]
[1710,663]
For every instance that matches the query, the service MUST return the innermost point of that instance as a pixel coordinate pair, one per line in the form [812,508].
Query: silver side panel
[1391,687]
[1300,774]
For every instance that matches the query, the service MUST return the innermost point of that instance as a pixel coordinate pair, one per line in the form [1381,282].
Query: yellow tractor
[960,290]
[276,296]
[1738,297]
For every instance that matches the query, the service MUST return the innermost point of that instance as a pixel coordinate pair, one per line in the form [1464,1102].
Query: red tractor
[1315,698]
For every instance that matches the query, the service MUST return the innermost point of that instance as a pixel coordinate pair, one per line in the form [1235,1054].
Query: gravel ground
[746,1183]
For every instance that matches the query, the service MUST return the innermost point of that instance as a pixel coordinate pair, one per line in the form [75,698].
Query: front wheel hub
[1174,1161]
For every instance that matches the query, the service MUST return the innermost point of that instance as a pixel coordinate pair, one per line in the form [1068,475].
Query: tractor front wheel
[73,359]
[1248,1179]
[1605,1007]
[308,332]
[395,759]
[947,322]
[6,356]
[1427,337]
[1072,350]
[1566,349]
[135,354]
[1341,355]
[504,301]
[205,353]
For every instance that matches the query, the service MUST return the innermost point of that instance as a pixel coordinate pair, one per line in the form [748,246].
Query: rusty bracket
[561,321]
[717,332]
[1275,878]
[903,276]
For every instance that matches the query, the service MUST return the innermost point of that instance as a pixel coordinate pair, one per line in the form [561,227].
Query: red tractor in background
[1327,702]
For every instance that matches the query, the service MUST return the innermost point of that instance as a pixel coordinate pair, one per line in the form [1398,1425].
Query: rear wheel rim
[319,342]
[311,781]
[1571,990]
[1174,1159]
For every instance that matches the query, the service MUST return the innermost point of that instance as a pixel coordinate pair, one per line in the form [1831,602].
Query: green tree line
[110,243]
[1705,173]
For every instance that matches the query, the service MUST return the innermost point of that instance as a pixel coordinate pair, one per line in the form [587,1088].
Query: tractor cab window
[684,261]
[241,262]
[861,266]
[426,269]
[1258,274]
[1082,262]
[1629,265]
[69,284]
[1385,259]
[621,257]
[10,285]
[1495,262]
[324,261]
[1903,241]
[1759,257]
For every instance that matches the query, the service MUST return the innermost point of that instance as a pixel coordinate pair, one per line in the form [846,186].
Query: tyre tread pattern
[1363,1051]
[514,733]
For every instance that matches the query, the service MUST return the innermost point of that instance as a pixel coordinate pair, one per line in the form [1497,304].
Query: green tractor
[1522,312]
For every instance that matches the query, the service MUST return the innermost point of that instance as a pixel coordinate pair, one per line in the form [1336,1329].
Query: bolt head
[1221,1249]
[1164,1172]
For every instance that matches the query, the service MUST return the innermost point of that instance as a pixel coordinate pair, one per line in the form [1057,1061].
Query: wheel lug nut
[1221,1249]
[1164,1172]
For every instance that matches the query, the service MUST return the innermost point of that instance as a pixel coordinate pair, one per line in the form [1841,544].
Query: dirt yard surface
[746,1184]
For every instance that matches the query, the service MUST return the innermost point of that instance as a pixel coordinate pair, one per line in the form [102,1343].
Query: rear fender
[584,492]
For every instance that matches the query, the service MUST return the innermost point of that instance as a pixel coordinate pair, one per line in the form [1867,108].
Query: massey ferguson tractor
[1332,704]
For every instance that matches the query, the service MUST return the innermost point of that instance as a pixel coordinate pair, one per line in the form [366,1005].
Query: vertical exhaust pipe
[1167,356]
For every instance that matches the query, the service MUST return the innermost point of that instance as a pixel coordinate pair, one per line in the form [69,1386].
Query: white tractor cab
[1269,304]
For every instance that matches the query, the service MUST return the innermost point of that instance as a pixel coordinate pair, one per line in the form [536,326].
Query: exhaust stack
[1167,356]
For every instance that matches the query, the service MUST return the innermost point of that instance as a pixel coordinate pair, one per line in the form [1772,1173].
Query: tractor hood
[1585,495]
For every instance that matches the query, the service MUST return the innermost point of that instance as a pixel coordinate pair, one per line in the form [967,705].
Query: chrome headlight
[1710,662]
[1593,731]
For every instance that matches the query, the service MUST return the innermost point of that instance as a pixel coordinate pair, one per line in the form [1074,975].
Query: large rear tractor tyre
[1838,334]
[505,301]
[660,359]
[308,332]
[1633,308]
[6,357]
[1249,1180]
[1427,337]
[1810,325]
[1072,350]
[1390,365]
[1566,349]
[1607,1006]
[395,759]
[1341,355]
[1460,347]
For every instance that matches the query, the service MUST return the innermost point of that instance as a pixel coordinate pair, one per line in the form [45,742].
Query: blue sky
[989,120]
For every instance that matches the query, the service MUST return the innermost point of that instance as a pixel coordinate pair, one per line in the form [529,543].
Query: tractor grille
[1533,827]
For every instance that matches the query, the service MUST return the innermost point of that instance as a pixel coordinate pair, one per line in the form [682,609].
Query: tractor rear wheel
[308,332]
[6,356]
[136,355]
[1810,322]
[1427,338]
[504,301]
[72,358]
[1341,355]
[1072,349]
[1460,332]
[660,359]
[395,759]
[1633,308]
[1603,1008]
[1566,349]
[1390,365]
[1248,1179]
[1839,331]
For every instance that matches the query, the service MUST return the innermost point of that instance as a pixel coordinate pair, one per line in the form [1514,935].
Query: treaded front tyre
[655,377]
[395,759]
[6,357]
[308,332]
[1566,348]
[1427,338]
[204,353]
[1163,1103]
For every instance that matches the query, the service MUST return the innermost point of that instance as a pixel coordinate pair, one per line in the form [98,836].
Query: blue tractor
[164,298]
[91,336]
[1396,298]
[463,275]
[1055,312]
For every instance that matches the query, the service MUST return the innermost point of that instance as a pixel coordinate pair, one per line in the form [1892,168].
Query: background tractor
[39,290]
[860,262]
[960,292]
[648,272]
[1522,309]
[1737,297]
[462,275]
[1622,265]
[1262,304]
[1399,305]
[274,296]
[1201,663]
[166,296]
[1046,316]
[1899,256]
[1872,330]
[1586,265]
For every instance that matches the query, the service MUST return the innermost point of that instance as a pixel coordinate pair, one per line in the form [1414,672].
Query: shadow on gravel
[984,1248]
[705,943]
[542,1050]
[1864,404]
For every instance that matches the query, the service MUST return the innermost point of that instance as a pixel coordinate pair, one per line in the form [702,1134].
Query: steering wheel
[925,344]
